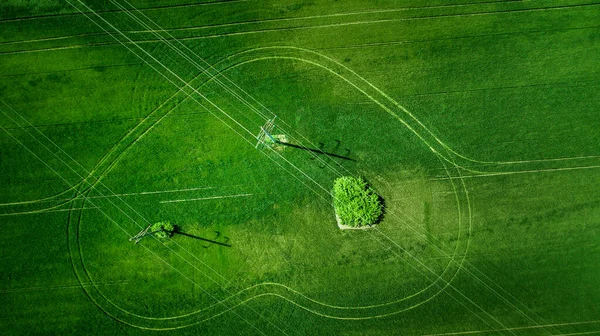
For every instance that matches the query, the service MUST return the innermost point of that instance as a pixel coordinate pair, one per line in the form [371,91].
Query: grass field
[476,121]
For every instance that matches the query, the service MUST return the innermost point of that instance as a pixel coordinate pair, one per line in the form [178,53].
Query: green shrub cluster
[167,230]
[356,204]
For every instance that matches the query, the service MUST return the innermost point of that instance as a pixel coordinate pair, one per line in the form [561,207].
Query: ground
[476,121]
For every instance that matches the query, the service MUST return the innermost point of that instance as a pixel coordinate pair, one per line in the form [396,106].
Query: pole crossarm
[265,133]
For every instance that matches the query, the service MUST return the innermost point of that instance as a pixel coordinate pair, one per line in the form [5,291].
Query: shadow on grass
[179,232]
[314,150]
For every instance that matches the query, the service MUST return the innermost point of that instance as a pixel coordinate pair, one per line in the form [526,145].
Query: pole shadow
[178,231]
[314,150]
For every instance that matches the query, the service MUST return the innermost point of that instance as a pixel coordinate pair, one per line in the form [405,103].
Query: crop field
[477,122]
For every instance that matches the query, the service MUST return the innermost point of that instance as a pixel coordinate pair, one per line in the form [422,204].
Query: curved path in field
[439,282]
[454,165]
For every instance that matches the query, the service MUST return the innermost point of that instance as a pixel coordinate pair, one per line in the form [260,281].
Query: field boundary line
[196,4]
[256,31]
[61,287]
[43,211]
[259,21]
[205,198]
[522,172]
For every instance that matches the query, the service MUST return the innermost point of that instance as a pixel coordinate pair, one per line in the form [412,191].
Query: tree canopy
[165,230]
[355,203]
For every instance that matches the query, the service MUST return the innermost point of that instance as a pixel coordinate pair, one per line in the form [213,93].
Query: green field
[476,121]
